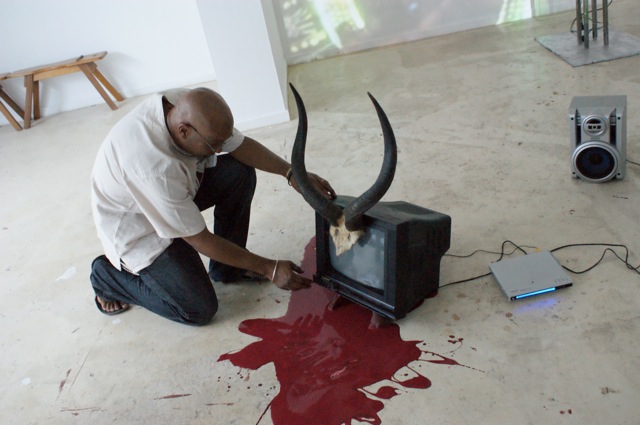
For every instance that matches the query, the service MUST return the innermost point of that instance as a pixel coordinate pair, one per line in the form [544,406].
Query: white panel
[245,61]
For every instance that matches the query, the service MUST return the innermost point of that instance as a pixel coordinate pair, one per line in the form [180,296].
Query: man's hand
[288,276]
[319,183]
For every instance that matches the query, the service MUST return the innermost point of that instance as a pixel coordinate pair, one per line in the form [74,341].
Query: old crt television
[394,266]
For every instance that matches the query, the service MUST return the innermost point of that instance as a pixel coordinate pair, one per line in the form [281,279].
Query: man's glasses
[215,152]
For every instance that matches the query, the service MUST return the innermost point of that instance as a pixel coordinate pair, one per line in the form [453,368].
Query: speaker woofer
[596,161]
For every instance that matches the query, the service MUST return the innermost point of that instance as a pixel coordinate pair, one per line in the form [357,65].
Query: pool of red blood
[325,360]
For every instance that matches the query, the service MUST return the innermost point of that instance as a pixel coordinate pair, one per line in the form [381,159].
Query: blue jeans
[176,285]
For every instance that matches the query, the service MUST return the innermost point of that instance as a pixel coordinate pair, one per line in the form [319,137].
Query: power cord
[634,163]
[501,253]
[520,248]
[625,260]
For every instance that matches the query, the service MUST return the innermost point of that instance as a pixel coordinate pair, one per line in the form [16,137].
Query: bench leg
[89,74]
[6,112]
[106,84]
[28,102]
[11,102]
[36,100]
[10,117]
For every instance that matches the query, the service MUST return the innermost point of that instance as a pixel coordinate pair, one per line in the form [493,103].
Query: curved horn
[356,209]
[323,206]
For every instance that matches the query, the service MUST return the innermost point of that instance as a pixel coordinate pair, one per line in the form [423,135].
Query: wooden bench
[32,76]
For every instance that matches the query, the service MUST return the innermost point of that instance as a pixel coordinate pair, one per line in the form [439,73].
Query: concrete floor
[482,127]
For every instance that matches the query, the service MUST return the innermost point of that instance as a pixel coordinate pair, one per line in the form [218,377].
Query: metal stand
[589,49]
[582,21]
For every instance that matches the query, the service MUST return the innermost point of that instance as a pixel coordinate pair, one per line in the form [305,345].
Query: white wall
[152,44]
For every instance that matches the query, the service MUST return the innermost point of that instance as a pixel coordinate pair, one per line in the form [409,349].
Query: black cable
[634,163]
[501,253]
[625,260]
[517,248]
[465,280]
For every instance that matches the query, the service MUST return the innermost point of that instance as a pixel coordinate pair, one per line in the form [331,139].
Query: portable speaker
[598,126]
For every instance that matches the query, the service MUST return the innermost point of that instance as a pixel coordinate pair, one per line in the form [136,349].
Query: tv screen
[394,266]
[364,263]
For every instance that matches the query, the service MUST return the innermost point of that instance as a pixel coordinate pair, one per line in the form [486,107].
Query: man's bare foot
[111,308]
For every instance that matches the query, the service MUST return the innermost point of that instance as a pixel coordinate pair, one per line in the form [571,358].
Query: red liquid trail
[324,359]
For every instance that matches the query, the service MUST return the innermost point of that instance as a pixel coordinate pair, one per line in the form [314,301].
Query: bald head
[204,110]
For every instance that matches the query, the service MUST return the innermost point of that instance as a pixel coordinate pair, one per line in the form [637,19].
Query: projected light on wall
[334,14]
[514,10]
[319,23]
[314,27]
[317,29]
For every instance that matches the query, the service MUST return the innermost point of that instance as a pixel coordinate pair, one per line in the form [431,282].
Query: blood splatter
[385,392]
[455,341]
[326,359]
[63,382]
[172,396]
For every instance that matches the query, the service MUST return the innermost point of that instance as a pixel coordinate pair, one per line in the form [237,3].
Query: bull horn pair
[352,215]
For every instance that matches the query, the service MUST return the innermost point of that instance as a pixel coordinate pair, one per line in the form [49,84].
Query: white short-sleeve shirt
[143,185]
